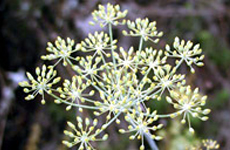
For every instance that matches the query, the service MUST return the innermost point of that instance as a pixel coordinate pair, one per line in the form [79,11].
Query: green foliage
[221,99]
[215,49]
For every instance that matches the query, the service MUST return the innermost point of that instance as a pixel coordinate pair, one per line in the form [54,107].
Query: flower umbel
[108,15]
[210,144]
[141,123]
[83,134]
[166,78]
[73,91]
[188,103]
[144,29]
[98,43]
[207,144]
[126,60]
[43,84]
[186,52]
[62,50]
[151,59]
[89,66]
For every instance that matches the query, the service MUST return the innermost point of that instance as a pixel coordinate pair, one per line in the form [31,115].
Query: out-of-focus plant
[124,79]
[207,144]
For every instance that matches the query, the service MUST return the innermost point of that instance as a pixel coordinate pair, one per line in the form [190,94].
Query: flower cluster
[186,52]
[73,91]
[188,103]
[109,15]
[144,29]
[166,78]
[123,79]
[210,144]
[151,59]
[86,66]
[126,60]
[83,135]
[207,144]
[98,43]
[141,123]
[61,51]
[46,78]
[115,97]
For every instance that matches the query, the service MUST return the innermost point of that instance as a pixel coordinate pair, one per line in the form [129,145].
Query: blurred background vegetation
[27,25]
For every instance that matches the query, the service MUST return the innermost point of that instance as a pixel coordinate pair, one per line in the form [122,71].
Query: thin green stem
[170,115]
[179,63]
[73,104]
[151,142]
[111,121]
[140,44]
[164,116]
[103,59]
[114,118]
[139,49]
